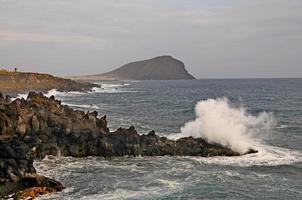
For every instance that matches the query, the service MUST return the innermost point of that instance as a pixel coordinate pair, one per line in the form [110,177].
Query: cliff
[158,68]
[22,82]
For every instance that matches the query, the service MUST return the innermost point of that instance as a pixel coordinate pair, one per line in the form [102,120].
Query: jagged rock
[34,185]
[53,127]
[39,126]
[21,126]
[35,124]
[17,172]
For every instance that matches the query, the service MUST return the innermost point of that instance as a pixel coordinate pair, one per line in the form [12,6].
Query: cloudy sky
[214,38]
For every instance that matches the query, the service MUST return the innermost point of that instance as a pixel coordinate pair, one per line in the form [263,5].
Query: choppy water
[165,106]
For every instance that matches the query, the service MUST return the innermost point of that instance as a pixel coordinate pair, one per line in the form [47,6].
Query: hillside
[158,68]
[21,82]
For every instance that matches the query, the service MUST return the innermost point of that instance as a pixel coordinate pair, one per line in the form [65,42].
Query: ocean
[265,114]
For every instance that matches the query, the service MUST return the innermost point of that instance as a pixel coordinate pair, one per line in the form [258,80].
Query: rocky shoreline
[14,83]
[39,126]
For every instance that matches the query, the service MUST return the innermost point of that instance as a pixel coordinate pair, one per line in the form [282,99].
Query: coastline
[14,83]
[41,126]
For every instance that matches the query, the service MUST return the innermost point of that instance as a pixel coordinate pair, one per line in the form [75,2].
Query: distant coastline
[13,83]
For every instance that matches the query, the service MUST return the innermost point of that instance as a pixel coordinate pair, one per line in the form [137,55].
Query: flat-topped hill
[22,82]
[158,68]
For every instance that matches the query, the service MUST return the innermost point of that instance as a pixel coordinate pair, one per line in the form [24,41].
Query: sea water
[265,114]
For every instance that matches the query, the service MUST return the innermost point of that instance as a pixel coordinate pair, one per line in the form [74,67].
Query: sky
[214,38]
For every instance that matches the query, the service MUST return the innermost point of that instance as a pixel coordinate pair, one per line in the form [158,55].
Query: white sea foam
[124,194]
[56,93]
[267,156]
[24,96]
[20,96]
[103,88]
[110,88]
[140,193]
[231,173]
[52,92]
[220,122]
[169,183]
[282,126]
[82,106]
[106,85]
[61,95]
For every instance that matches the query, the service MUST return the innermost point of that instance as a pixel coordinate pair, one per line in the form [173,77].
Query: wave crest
[219,122]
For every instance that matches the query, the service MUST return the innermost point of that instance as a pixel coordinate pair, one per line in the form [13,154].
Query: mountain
[21,82]
[158,68]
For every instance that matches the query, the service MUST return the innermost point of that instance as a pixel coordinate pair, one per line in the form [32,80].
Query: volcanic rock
[40,126]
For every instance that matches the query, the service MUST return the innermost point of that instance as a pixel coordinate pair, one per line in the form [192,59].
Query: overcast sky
[214,38]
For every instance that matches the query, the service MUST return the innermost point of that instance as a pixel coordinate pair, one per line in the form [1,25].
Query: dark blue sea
[265,114]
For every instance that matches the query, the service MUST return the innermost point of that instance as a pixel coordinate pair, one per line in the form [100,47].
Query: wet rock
[33,192]
[21,126]
[33,180]
[34,185]
[252,151]
[54,128]
[39,126]
[14,160]
[35,124]
[120,143]
[151,133]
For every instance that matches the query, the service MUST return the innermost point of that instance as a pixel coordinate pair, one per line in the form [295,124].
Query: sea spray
[220,122]
[52,92]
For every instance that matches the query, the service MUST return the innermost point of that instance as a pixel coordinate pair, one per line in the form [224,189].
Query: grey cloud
[223,39]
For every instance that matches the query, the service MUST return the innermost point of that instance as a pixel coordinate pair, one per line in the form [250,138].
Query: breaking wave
[82,106]
[267,156]
[103,88]
[50,93]
[111,88]
[219,122]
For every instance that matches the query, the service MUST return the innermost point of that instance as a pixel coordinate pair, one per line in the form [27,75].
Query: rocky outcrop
[17,174]
[52,128]
[14,83]
[158,68]
[125,142]
[39,126]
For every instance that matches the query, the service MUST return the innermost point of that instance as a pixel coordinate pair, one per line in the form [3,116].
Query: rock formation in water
[17,174]
[22,82]
[158,68]
[39,126]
